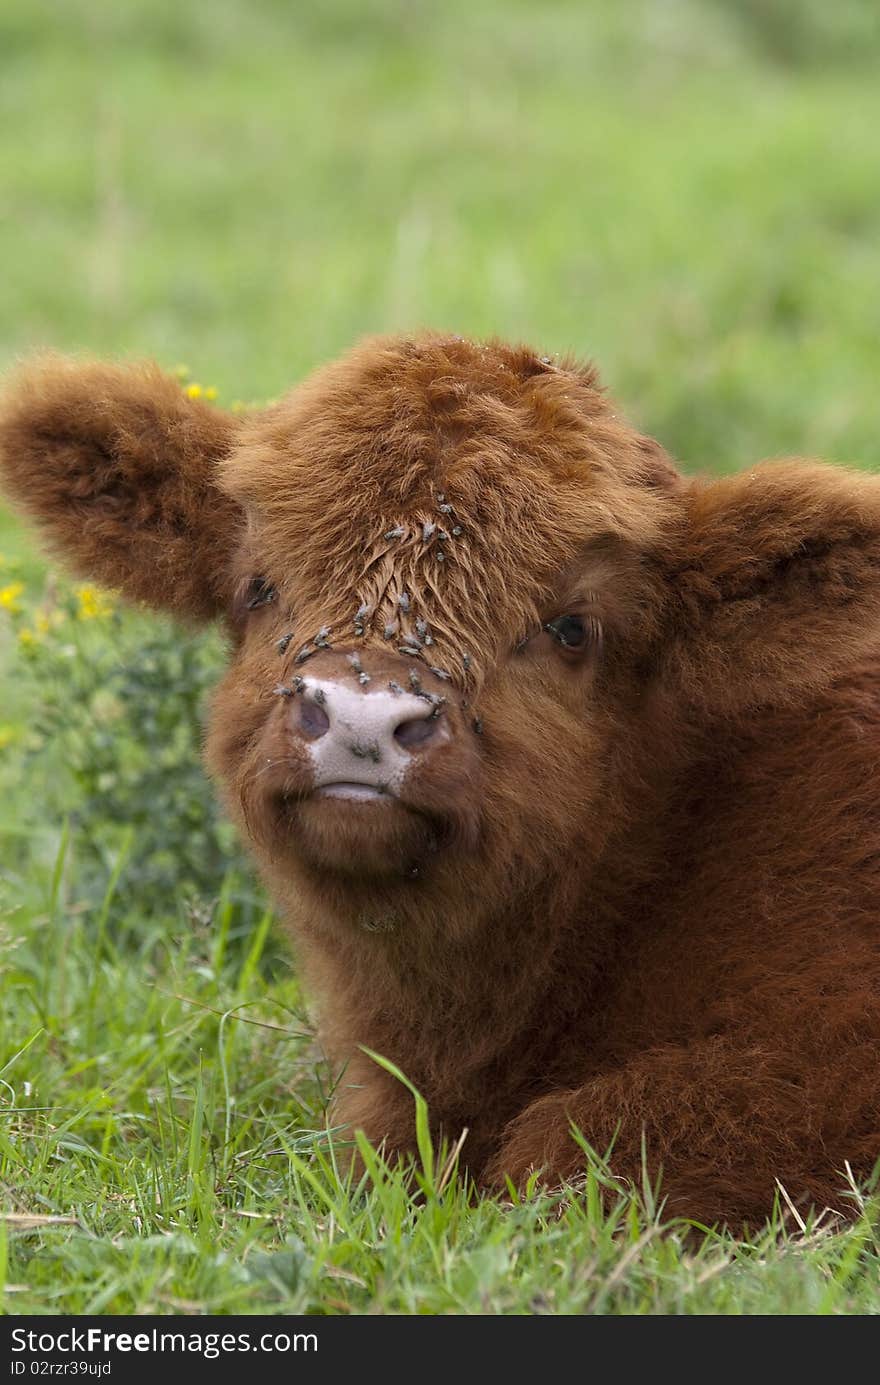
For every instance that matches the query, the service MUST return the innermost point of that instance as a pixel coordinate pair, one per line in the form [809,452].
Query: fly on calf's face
[368,750]
[362,676]
[291,689]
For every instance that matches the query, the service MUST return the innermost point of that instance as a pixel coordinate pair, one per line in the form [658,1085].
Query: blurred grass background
[687,191]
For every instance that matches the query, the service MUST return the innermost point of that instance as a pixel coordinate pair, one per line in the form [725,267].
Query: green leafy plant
[114,705]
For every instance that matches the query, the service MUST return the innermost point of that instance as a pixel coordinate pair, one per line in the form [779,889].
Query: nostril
[312,720]
[417,731]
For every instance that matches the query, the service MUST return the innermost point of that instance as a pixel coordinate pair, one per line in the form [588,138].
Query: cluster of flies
[413,646]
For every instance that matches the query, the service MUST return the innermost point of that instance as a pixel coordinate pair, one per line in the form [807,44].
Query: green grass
[686,192]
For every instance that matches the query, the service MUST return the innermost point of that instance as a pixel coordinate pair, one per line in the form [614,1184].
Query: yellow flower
[194,391]
[181,371]
[91,603]
[7,735]
[9,596]
[27,638]
[211,392]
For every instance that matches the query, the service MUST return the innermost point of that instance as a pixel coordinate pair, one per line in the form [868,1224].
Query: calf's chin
[381,841]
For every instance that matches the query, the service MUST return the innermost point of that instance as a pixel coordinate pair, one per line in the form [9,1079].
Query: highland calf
[562,767]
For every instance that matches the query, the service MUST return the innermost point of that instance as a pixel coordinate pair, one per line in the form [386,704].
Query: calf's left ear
[776,583]
[116,466]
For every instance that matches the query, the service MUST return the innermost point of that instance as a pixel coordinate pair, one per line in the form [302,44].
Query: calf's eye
[250,594]
[571,632]
[259,593]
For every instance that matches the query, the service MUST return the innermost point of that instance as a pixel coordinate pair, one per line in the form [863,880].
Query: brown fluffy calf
[562,767]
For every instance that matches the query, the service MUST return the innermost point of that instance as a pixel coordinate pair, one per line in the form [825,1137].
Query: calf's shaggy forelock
[560,765]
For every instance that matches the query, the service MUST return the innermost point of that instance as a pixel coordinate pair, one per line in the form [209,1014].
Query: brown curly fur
[644,900]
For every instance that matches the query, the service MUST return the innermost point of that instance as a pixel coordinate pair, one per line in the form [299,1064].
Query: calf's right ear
[777,585]
[116,465]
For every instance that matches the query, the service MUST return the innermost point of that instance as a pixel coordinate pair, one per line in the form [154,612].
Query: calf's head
[437,540]
[450,574]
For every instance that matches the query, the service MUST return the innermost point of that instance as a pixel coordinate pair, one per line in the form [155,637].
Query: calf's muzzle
[362,741]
